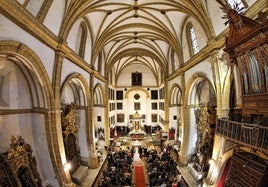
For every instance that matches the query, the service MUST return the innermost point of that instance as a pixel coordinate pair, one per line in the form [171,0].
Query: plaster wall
[40,147]
[124,78]
[10,31]
[73,37]
[34,6]
[99,111]
[69,68]
[204,67]
[55,15]
[82,135]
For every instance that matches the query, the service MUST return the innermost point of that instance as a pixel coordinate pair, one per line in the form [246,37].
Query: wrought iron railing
[250,134]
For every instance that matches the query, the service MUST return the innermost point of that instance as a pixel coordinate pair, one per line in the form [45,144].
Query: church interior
[134,93]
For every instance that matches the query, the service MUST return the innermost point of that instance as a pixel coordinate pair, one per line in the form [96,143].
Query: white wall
[9,31]
[147,77]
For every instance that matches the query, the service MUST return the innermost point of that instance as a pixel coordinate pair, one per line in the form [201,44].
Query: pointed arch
[79,87]
[98,94]
[135,89]
[32,67]
[191,39]
[81,40]
[176,95]
[195,87]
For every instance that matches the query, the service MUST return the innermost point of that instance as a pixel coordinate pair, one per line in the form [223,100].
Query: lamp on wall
[67,166]
[212,164]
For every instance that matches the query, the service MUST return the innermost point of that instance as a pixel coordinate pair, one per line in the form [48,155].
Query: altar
[137,133]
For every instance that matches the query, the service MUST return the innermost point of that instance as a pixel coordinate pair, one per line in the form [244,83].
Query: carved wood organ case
[247,46]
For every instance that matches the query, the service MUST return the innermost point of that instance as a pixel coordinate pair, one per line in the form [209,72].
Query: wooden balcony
[251,135]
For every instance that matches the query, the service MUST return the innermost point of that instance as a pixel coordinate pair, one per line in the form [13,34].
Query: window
[174,60]
[239,3]
[81,40]
[154,94]
[192,39]
[119,95]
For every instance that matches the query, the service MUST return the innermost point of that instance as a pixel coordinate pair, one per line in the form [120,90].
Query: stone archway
[33,108]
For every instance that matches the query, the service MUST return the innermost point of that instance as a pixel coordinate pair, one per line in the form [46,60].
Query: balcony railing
[251,135]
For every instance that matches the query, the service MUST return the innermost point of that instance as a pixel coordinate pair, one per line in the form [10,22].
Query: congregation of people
[160,165]
[162,169]
[118,171]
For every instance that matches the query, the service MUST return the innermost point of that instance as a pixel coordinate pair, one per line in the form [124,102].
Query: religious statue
[136,126]
[204,143]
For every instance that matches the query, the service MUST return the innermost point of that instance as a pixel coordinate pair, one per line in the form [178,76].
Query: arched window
[174,60]
[176,96]
[192,39]
[81,40]
[239,3]
[98,95]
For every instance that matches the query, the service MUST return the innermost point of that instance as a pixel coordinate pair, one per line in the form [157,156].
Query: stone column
[167,99]
[106,115]
[92,159]
[221,72]
[183,154]
[59,157]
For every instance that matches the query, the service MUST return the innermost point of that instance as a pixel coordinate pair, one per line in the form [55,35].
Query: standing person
[175,183]
[179,177]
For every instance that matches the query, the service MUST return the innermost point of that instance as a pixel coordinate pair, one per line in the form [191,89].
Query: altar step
[79,176]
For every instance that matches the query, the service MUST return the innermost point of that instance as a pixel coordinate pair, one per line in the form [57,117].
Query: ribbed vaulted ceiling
[141,32]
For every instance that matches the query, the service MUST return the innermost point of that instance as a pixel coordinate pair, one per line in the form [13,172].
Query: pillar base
[183,160]
[93,162]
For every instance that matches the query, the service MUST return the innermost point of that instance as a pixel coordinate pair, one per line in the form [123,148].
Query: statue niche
[17,165]
[70,131]
[205,119]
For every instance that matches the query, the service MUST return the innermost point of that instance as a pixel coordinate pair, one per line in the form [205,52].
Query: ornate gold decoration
[17,154]
[68,119]
[17,147]
[19,161]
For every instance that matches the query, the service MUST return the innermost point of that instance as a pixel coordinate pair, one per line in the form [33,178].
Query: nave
[138,163]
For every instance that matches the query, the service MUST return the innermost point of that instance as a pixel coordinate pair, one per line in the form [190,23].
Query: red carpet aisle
[139,174]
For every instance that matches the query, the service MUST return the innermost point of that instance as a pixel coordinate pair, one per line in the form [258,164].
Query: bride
[137,155]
